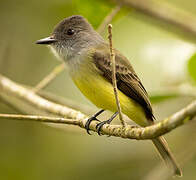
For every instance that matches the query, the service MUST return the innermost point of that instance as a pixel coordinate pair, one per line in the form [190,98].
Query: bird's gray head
[71,37]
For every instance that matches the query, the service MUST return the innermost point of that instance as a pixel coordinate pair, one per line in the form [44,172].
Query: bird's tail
[163,149]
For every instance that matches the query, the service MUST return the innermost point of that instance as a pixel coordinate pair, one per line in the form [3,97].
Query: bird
[87,57]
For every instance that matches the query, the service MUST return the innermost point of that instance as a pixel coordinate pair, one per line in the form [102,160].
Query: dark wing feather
[127,80]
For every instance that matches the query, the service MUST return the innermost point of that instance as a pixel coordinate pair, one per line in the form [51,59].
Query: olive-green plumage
[87,57]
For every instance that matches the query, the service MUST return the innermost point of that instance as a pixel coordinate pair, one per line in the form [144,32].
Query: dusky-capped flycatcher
[87,57]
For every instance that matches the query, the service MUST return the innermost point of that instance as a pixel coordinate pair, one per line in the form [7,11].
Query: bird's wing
[127,80]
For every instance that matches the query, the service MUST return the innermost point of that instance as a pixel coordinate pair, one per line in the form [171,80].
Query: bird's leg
[93,118]
[99,126]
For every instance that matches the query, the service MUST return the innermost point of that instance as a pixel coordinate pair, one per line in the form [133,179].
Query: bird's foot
[93,118]
[100,125]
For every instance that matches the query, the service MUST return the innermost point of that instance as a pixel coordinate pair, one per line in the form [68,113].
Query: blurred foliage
[160,98]
[192,67]
[91,9]
[36,151]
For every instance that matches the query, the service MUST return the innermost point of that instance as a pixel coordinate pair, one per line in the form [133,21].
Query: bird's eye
[70,32]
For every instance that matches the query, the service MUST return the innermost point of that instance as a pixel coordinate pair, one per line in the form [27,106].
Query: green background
[164,62]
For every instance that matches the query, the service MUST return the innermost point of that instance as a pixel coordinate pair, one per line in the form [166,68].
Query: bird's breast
[100,92]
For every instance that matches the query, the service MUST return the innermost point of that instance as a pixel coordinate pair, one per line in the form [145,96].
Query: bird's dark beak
[47,41]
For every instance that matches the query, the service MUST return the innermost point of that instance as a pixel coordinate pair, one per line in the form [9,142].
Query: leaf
[95,11]
[159,98]
[192,67]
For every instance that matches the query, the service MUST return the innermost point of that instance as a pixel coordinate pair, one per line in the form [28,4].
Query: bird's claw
[93,118]
[100,125]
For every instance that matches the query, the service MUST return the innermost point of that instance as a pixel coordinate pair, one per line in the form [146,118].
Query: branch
[165,13]
[44,119]
[112,58]
[74,117]
[28,96]
[129,132]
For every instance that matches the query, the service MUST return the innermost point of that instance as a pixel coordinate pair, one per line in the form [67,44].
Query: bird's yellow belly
[100,92]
